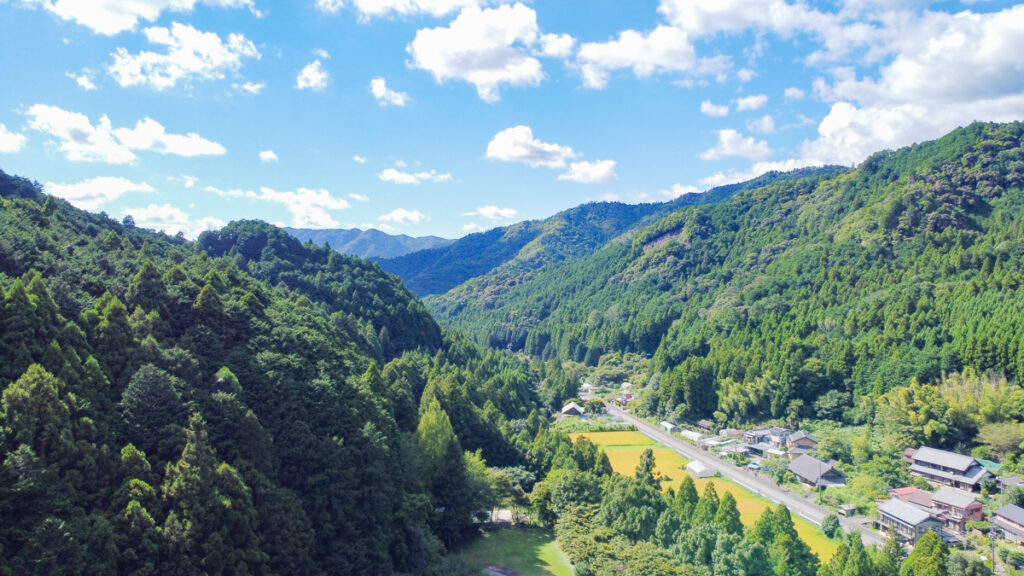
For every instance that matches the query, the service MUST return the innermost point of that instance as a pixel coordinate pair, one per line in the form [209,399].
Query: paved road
[760,486]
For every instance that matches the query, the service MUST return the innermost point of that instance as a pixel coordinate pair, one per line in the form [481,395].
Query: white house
[668,426]
[699,470]
[692,436]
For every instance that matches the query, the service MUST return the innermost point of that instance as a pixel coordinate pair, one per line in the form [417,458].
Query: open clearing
[529,551]
[624,454]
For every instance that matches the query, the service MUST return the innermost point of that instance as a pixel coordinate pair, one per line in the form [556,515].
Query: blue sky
[452,116]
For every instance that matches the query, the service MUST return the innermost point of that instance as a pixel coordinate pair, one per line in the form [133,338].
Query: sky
[447,117]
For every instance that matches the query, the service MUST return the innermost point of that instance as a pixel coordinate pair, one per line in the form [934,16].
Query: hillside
[509,255]
[231,406]
[368,243]
[907,267]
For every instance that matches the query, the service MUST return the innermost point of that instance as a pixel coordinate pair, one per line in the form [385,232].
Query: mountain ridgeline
[508,255]
[368,243]
[793,295]
[243,404]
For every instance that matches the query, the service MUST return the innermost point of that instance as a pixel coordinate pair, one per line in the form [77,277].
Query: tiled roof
[953,497]
[951,460]
[903,512]
[1012,513]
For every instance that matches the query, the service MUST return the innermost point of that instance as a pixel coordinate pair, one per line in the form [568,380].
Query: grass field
[530,551]
[624,454]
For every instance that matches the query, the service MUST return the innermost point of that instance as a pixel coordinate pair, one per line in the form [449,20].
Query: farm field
[624,454]
[528,551]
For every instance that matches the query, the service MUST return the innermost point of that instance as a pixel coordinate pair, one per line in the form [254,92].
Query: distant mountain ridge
[507,256]
[368,243]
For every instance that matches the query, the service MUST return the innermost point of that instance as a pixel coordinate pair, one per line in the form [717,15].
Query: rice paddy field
[624,450]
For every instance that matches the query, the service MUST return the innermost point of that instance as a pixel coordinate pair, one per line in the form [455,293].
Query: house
[705,424]
[730,432]
[802,440]
[956,507]
[947,468]
[1010,521]
[699,470]
[813,472]
[692,436]
[777,436]
[587,388]
[573,409]
[913,495]
[756,436]
[904,521]
[668,426]
[1008,482]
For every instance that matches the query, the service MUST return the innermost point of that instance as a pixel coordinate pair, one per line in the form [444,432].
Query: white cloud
[329,6]
[794,93]
[716,110]
[436,8]
[359,197]
[253,88]
[191,54]
[268,156]
[517,144]
[492,213]
[322,54]
[309,207]
[95,192]
[759,168]
[359,159]
[385,95]
[473,227]
[597,172]
[678,190]
[482,47]
[150,135]
[732,143]
[110,17]
[171,220]
[10,142]
[84,80]
[556,45]
[665,49]
[312,77]
[402,216]
[80,141]
[399,177]
[186,180]
[710,17]
[751,102]
[765,124]
[232,193]
[745,74]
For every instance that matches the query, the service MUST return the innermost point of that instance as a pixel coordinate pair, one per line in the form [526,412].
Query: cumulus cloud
[436,8]
[190,54]
[708,108]
[759,168]
[678,190]
[309,207]
[732,143]
[329,6]
[84,80]
[492,213]
[754,102]
[597,172]
[110,17]
[232,193]
[10,142]
[745,74]
[268,156]
[359,159]
[793,93]
[253,88]
[556,45]
[386,96]
[95,192]
[402,216]
[765,124]
[312,77]
[79,140]
[517,144]
[484,47]
[151,136]
[359,197]
[473,227]
[399,177]
[665,49]
[171,220]
[709,17]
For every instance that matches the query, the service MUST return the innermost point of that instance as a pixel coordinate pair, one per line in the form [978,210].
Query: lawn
[530,551]
[624,453]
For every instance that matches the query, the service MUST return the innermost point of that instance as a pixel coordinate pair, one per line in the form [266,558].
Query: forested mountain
[243,404]
[509,255]
[909,266]
[368,243]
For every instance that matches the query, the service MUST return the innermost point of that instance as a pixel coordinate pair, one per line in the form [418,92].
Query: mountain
[242,404]
[511,253]
[368,243]
[785,295]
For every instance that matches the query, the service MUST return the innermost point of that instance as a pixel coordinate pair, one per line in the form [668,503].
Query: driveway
[757,485]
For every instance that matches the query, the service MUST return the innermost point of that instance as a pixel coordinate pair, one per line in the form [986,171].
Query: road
[760,486]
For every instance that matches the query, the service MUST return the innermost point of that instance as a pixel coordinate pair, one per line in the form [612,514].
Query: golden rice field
[625,448]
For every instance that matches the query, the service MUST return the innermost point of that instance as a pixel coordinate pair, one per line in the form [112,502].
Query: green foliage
[830,526]
[929,557]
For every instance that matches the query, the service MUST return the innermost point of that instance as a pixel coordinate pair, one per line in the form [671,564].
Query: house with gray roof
[1010,521]
[905,522]
[957,507]
[815,473]
[947,468]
